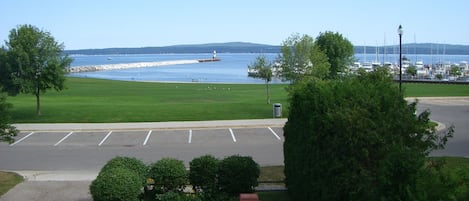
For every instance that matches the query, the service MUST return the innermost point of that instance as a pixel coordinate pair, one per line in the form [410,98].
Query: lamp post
[400,32]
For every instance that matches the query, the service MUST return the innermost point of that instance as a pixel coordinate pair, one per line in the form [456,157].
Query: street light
[400,32]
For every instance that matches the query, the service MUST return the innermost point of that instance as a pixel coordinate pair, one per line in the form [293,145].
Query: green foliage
[169,174]
[34,63]
[455,70]
[439,76]
[355,139]
[262,68]
[129,163]
[116,184]
[339,51]
[301,58]
[7,131]
[437,182]
[411,70]
[203,172]
[238,174]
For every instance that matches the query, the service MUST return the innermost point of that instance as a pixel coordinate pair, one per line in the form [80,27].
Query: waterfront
[231,69]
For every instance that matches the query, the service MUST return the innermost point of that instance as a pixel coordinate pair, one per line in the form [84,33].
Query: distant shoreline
[242,47]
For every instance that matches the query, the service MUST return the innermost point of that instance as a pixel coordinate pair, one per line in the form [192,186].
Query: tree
[238,174]
[262,68]
[411,70]
[355,139]
[301,58]
[339,51]
[7,131]
[34,63]
[455,71]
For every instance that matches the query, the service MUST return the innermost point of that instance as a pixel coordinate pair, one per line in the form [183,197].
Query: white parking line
[273,132]
[63,138]
[232,135]
[104,139]
[148,137]
[22,139]
[190,136]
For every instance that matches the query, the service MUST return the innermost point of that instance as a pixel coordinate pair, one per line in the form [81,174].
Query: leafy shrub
[116,184]
[203,172]
[355,139]
[132,164]
[238,174]
[169,174]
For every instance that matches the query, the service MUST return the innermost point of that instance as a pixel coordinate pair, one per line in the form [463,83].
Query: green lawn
[8,180]
[92,100]
[435,90]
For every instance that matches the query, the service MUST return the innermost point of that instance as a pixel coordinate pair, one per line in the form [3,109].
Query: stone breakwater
[92,68]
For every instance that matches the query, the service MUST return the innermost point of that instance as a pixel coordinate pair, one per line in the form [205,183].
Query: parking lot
[90,149]
[149,138]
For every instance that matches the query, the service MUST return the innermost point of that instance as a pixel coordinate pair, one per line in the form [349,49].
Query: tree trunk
[38,103]
[268,93]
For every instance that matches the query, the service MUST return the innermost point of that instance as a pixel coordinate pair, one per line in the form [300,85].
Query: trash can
[277,110]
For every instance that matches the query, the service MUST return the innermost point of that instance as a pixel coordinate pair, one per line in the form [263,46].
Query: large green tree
[355,138]
[34,63]
[262,68]
[300,58]
[339,51]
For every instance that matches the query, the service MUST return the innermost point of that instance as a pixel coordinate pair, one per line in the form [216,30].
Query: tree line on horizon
[243,47]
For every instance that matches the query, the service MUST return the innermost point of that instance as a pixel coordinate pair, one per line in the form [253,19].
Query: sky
[84,24]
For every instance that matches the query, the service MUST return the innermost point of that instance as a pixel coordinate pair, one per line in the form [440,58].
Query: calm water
[231,69]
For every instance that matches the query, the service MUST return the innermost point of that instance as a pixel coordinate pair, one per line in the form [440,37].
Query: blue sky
[83,24]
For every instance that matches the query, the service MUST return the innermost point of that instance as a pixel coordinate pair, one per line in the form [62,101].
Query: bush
[169,174]
[355,139]
[203,172]
[129,163]
[116,184]
[238,174]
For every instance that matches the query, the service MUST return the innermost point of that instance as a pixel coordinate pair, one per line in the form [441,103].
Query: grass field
[92,100]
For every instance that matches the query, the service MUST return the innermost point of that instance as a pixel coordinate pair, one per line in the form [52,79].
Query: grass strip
[8,180]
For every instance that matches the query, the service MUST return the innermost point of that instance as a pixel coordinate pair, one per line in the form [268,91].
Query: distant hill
[243,47]
[232,47]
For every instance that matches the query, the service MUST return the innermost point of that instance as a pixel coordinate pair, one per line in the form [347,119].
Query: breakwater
[92,68]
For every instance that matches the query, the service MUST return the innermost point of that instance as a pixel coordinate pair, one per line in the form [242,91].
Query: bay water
[231,69]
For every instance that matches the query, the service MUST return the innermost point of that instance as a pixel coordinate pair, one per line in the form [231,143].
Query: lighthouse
[214,54]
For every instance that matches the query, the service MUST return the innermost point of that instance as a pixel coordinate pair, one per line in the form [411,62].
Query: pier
[93,68]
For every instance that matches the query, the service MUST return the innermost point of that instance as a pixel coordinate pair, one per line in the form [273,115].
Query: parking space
[83,139]
[168,137]
[40,139]
[124,138]
[256,136]
[151,138]
[218,136]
